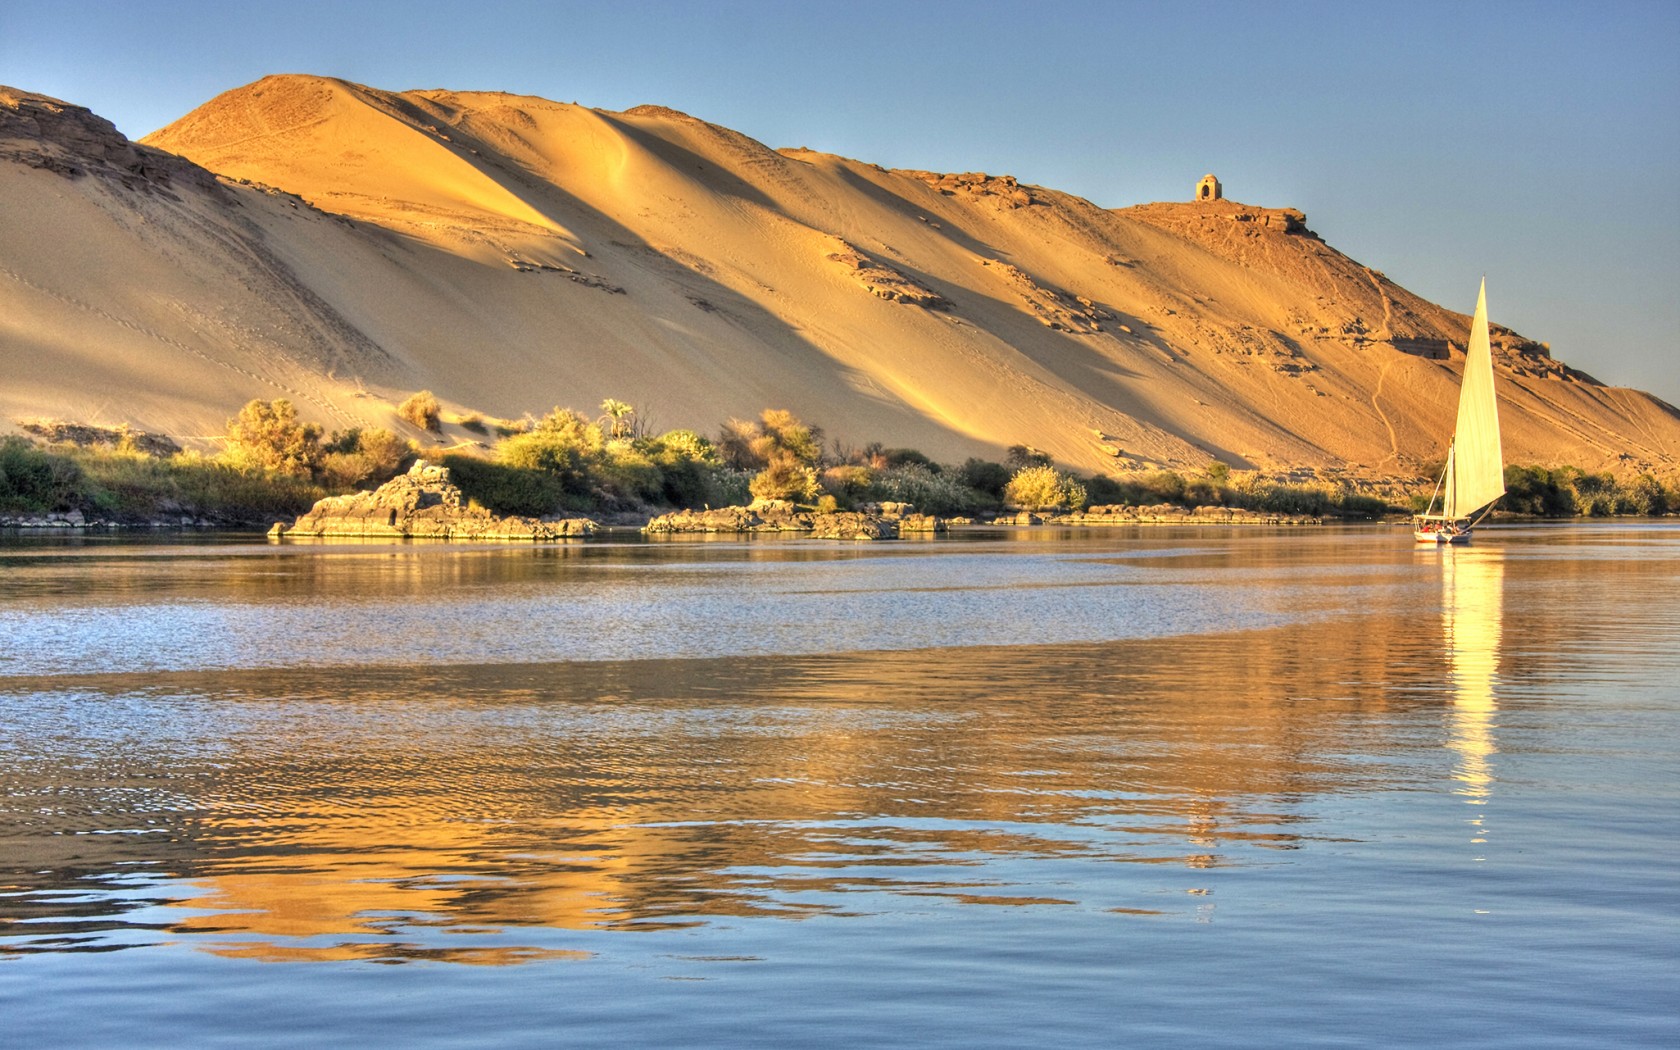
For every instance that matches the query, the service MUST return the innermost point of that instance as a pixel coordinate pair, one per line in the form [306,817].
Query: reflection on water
[307,814]
[1472,581]
[1218,752]
[134,609]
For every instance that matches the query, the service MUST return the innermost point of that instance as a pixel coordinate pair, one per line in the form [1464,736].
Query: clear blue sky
[1535,142]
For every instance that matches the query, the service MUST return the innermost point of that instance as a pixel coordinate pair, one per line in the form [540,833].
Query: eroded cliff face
[512,254]
[71,141]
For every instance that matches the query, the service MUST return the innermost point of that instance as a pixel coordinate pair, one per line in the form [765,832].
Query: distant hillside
[511,254]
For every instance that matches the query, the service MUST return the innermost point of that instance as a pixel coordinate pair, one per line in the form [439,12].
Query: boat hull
[1434,530]
[1441,537]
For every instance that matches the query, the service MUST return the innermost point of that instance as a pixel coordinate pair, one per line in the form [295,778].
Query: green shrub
[33,480]
[928,492]
[785,478]
[1045,488]
[210,488]
[507,489]
[1101,489]
[691,473]
[363,459]
[266,435]
[745,445]
[727,488]
[1646,496]
[848,483]
[1166,485]
[799,440]
[1020,457]
[1354,505]
[906,457]
[985,477]
[562,443]
[625,471]
[422,409]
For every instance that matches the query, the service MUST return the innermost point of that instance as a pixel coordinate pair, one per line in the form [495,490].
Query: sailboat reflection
[1472,584]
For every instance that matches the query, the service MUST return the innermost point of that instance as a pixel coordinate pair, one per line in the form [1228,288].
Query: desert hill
[512,253]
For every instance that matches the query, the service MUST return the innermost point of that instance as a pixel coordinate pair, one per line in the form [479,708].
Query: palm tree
[619,413]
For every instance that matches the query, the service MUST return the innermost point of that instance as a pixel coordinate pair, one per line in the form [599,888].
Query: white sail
[1477,475]
[1449,486]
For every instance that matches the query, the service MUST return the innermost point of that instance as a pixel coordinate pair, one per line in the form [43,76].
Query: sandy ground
[513,254]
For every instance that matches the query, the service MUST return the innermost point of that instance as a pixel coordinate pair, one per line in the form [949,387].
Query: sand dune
[512,253]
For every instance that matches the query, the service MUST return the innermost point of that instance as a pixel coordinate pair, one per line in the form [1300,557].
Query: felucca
[1474,478]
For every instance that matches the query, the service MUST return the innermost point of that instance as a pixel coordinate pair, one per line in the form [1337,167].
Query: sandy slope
[512,253]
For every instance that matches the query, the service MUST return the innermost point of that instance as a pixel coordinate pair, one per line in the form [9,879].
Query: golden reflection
[408,871]
[1472,582]
[496,814]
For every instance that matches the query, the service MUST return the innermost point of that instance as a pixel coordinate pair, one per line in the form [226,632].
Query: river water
[1312,787]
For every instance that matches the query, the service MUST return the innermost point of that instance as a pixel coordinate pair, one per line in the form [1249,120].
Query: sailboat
[1474,477]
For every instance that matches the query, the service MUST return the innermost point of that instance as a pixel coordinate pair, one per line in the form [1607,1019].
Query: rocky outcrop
[53,519]
[1246,219]
[86,435]
[71,141]
[884,282]
[764,516]
[922,523]
[851,525]
[1056,310]
[1002,190]
[423,504]
[1172,514]
[779,516]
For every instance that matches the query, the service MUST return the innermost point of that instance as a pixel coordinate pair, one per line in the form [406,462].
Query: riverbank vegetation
[272,466]
[1568,492]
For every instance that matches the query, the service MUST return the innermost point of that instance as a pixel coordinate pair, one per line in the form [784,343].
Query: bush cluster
[567,462]
[127,483]
[1567,492]
[423,410]
[1043,487]
[33,480]
[274,465]
[268,437]
[1218,487]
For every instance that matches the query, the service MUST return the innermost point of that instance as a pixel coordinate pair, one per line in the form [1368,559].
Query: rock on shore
[780,516]
[423,504]
[765,516]
[1164,514]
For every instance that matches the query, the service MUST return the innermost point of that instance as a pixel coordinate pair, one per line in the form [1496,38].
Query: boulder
[423,504]
[723,519]
[851,525]
[762,516]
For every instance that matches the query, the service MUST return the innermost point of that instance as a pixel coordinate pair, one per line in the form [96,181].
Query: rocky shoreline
[76,520]
[426,504]
[1159,514]
[882,522]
